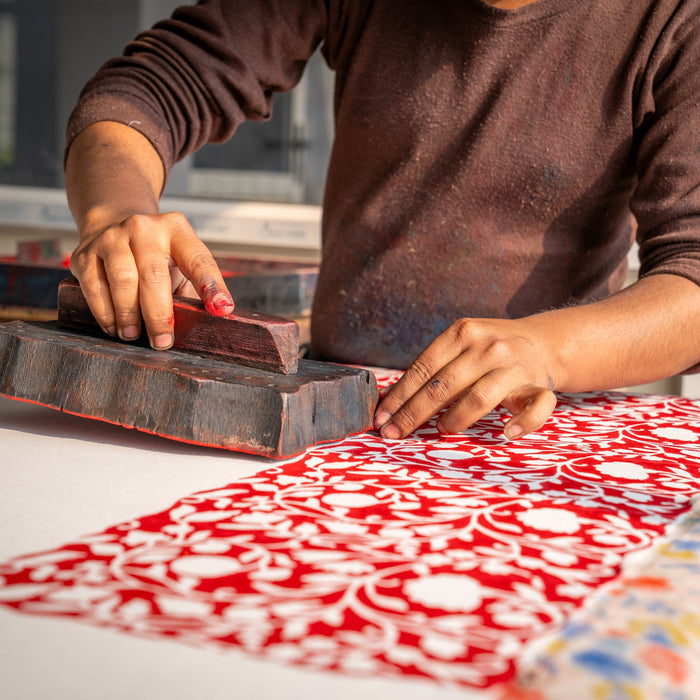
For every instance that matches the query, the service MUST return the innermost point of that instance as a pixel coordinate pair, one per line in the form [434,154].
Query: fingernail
[220,304]
[381,419]
[162,341]
[391,432]
[513,431]
[111,330]
[130,333]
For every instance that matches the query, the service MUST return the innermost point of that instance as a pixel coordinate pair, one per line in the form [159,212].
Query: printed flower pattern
[438,556]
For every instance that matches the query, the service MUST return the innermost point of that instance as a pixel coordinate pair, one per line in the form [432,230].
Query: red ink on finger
[219,305]
[216,303]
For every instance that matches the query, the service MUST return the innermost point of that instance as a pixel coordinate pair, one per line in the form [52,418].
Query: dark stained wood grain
[184,396]
[245,337]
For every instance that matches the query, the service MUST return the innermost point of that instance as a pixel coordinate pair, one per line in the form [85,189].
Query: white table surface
[62,477]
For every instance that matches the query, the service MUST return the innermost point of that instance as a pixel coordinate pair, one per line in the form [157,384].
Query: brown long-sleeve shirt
[486,162]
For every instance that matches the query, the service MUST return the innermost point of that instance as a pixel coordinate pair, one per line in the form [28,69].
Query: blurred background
[48,51]
[50,48]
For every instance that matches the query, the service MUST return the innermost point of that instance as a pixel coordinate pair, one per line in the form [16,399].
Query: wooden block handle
[244,337]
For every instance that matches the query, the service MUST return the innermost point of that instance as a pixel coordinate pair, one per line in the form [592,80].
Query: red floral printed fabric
[439,556]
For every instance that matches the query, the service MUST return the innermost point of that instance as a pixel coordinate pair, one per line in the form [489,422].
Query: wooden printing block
[245,337]
[183,395]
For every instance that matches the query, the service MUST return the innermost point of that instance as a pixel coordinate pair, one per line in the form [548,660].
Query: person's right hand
[131,259]
[129,271]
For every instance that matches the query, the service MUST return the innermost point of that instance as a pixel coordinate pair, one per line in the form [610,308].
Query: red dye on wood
[249,338]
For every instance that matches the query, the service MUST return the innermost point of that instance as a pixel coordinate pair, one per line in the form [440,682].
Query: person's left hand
[475,365]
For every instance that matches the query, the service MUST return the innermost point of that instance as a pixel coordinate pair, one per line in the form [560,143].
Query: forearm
[112,172]
[646,332]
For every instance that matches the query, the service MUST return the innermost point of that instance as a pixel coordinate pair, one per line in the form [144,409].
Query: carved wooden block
[184,396]
[246,337]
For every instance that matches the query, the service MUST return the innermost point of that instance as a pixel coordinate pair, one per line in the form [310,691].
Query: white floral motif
[445,592]
[623,470]
[551,519]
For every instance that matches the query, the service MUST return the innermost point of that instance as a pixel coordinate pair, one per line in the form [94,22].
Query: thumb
[531,407]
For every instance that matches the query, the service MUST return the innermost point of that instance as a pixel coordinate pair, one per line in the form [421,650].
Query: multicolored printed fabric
[438,556]
[638,638]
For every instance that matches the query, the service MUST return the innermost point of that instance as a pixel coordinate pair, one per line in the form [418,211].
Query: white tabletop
[62,477]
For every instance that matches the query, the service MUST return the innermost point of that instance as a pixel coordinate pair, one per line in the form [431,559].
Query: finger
[123,279]
[531,406]
[447,386]
[385,391]
[198,265]
[90,273]
[155,295]
[478,400]
[431,374]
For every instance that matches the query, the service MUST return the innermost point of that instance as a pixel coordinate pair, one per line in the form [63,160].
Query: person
[492,162]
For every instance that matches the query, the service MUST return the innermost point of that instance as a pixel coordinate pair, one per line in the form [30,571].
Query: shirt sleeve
[666,202]
[193,78]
